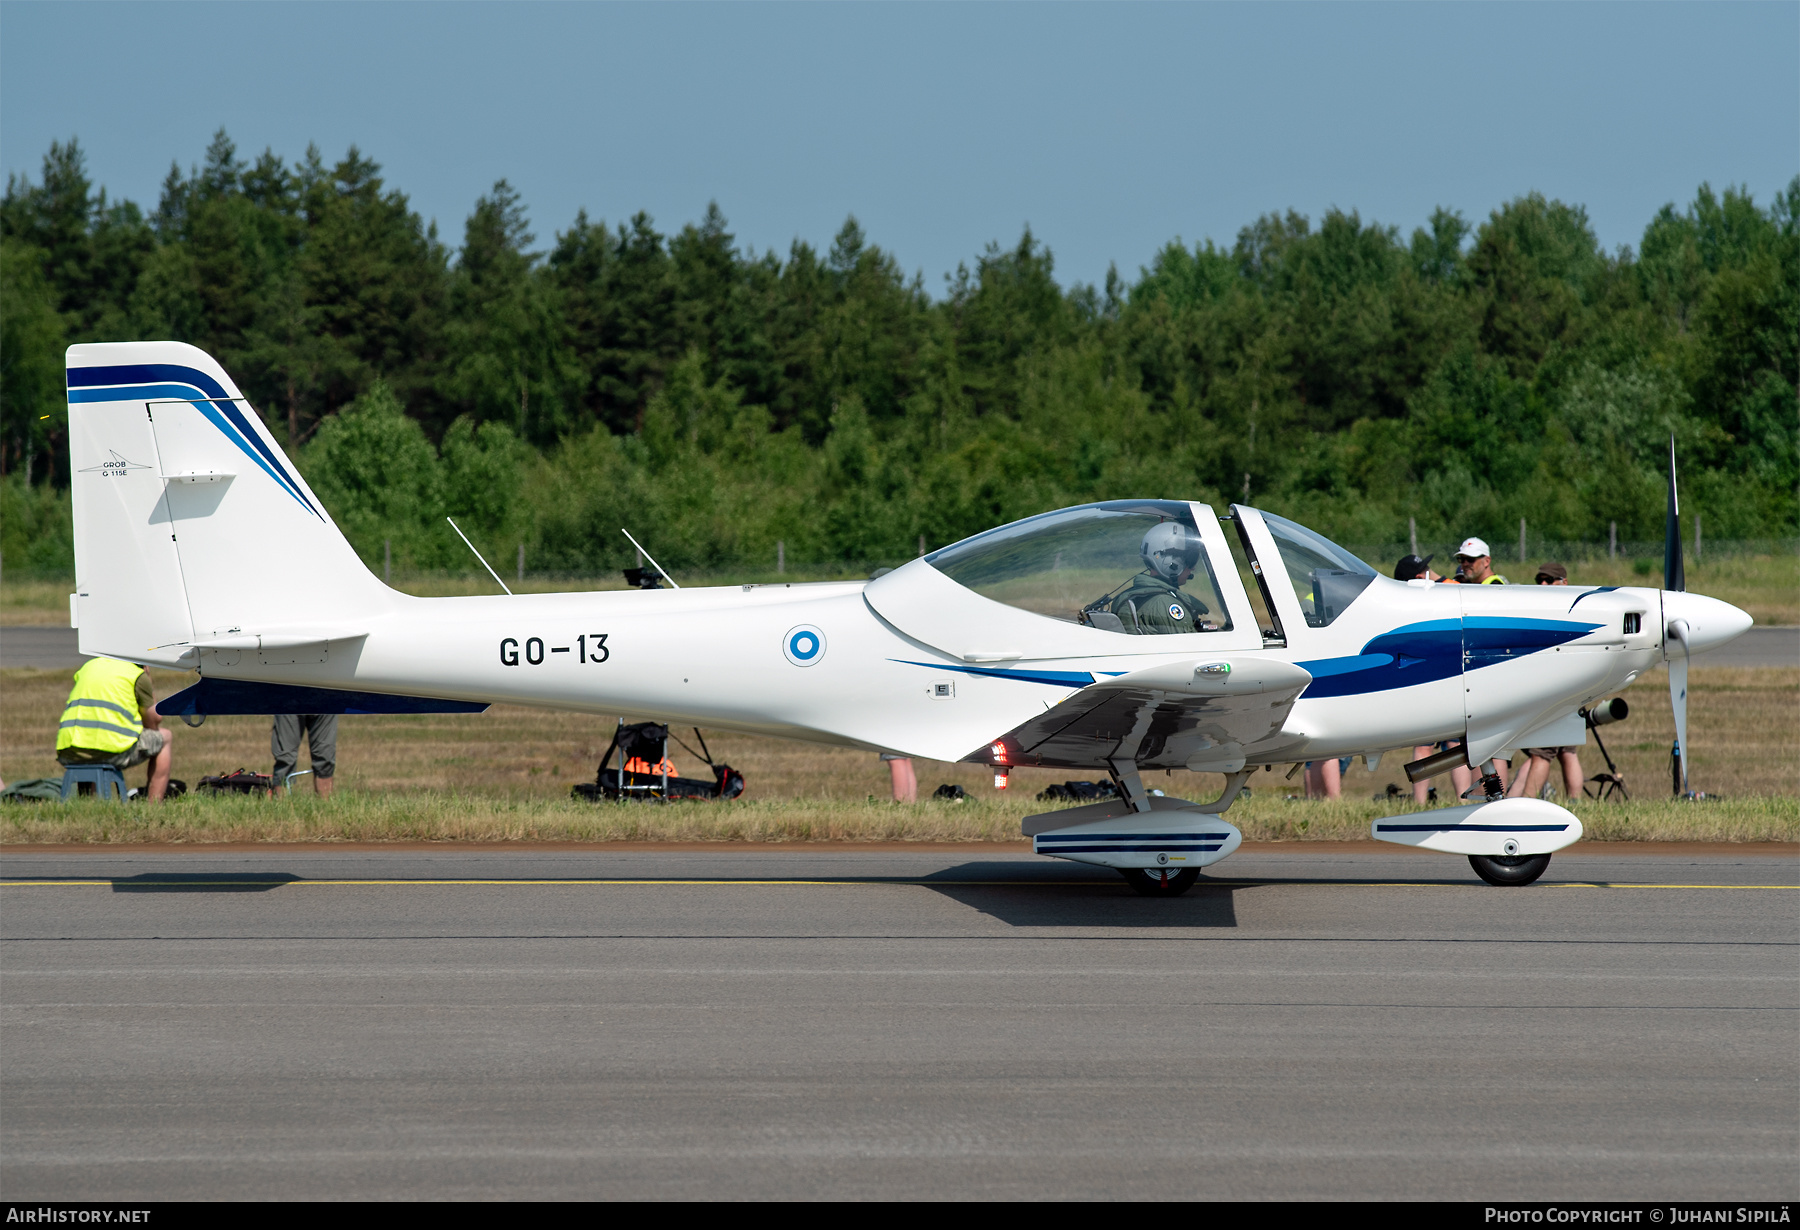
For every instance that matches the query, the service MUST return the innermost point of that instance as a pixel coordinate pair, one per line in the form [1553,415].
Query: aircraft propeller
[1675,580]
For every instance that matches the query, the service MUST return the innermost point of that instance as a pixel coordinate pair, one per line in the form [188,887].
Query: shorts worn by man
[321,732]
[1534,774]
[1153,602]
[111,719]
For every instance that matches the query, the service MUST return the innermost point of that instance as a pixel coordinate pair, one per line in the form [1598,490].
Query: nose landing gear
[1159,881]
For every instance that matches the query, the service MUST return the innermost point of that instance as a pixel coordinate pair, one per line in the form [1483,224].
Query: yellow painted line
[128,883]
[1603,884]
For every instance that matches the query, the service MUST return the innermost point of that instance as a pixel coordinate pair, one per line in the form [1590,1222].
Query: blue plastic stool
[104,778]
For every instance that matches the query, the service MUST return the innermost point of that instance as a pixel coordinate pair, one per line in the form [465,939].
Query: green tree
[376,280]
[32,409]
[1534,266]
[618,294]
[378,474]
[505,329]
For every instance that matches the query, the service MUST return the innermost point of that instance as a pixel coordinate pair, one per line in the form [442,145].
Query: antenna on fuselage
[640,546]
[484,563]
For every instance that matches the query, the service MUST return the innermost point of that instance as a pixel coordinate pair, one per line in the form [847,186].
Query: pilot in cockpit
[1154,602]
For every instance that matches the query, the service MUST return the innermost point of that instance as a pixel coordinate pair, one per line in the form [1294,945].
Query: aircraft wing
[1189,715]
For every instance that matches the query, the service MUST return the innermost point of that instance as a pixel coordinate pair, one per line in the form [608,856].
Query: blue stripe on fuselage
[1434,650]
[1414,654]
[1061,679]
[1489,639]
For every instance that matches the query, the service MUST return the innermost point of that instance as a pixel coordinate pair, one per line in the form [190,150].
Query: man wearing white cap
[1474,565]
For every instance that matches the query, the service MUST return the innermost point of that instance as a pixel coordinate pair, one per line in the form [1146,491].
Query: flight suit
[1150,605]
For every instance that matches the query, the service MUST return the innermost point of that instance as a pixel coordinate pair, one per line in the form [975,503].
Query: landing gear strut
[1159,881]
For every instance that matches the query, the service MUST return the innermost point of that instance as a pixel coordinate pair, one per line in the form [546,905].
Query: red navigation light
[999,753]
[1000,778]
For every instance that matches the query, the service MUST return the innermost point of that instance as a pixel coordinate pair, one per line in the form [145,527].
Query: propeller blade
[1674,575]
[1678,693]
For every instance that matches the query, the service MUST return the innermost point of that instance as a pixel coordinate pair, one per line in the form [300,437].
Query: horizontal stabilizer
[228,696]
[276,640]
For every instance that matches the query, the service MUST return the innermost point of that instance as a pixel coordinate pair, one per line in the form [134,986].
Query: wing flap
[1194,715]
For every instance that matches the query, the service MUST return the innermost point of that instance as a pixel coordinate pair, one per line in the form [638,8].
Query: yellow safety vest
[102,712]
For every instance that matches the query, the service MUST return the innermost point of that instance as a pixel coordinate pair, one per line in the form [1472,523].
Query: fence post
[1696,538]
[780,555]
[1412,531]
[1612,541]
[1521,540]
[921,546]
[387,561]
[521,563]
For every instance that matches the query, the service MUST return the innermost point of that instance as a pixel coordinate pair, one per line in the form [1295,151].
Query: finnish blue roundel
[804,645]
[1175,611]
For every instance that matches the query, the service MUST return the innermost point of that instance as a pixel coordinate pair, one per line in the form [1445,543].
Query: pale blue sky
[1109,129]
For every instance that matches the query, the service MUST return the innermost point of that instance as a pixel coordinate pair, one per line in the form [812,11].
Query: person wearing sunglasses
[1475,564]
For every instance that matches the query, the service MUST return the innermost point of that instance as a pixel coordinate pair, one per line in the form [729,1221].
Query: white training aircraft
[1118,636]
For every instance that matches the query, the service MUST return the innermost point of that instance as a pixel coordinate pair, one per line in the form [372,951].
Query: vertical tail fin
[190,522]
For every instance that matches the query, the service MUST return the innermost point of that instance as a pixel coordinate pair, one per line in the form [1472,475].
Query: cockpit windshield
[1326,578]
[1131,566]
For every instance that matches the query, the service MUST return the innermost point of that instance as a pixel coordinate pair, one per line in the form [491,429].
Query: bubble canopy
[1326,578]
[1106,565]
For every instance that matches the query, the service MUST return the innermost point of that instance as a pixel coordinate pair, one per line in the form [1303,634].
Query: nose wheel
[1159,881]
[1507,872]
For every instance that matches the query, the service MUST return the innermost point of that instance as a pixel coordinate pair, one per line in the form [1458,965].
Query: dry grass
[470,818]
[1766,586]
[35,604]
[509,753]
[505,776]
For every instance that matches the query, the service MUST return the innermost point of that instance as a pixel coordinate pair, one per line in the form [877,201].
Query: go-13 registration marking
[589,647]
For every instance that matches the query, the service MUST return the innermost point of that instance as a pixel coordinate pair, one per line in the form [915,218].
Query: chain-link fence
[1538,550]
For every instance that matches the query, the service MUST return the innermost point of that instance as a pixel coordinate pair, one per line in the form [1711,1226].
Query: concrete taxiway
[832,1022]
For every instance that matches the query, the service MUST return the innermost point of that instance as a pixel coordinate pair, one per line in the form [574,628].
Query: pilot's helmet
[1171,550]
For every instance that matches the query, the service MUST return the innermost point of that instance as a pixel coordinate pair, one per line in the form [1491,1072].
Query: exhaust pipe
[1431,766]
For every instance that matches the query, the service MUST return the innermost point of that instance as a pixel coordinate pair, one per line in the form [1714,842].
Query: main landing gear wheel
[1159,881]
[1506,872]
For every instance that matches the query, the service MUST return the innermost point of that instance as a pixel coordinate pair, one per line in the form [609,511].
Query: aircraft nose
[1710,622]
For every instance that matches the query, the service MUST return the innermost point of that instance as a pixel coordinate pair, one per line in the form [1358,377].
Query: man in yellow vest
[111,719]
